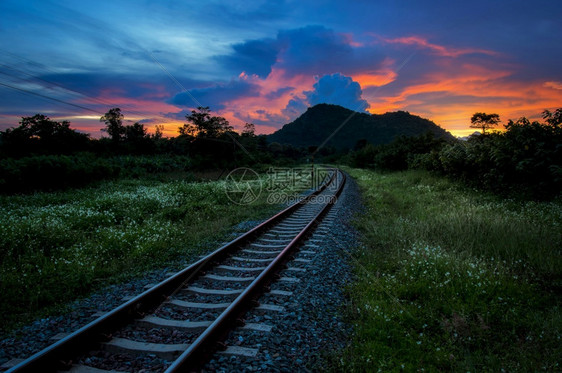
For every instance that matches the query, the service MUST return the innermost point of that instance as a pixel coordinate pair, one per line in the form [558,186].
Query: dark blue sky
[266,61]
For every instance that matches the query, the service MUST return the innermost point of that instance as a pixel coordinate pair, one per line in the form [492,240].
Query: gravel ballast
[312,326]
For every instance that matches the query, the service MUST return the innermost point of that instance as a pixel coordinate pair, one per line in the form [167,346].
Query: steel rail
[51,358]
[192,358]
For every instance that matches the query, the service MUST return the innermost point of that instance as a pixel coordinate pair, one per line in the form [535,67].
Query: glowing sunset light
[442,61]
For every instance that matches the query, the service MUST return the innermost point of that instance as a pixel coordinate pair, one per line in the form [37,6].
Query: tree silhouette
[202,124]
[135,132]
[114,124]
[41,135]
[484,121]
[249,130]
[554,119]
[158,131]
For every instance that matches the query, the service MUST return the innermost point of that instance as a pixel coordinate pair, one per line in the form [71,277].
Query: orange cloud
[511,100]
[262,107]
[380,77]
[440,50]
[554,85]
[348,39]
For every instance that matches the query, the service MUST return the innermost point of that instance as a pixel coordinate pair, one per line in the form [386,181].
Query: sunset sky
[265,62]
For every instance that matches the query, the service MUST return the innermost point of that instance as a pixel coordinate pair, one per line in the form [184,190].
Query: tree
[135,132]
[201,124]
[484,121]
[40,134]
[158,131]
[114,124]
[360,144]
[249,130]
[554,119]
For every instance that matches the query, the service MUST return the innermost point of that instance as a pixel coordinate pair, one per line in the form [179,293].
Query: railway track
[178,324]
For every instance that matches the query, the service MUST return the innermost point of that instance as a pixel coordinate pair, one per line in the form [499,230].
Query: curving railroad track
[194,310]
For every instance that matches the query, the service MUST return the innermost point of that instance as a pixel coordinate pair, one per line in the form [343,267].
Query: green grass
[451,279]
[56,247]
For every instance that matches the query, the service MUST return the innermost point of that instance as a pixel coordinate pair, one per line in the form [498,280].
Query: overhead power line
[95,100]
[48,97]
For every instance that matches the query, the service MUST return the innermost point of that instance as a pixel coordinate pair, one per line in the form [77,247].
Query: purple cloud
[216,96]
[313,50]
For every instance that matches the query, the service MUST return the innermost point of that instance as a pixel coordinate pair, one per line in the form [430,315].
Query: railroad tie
[10,364]
[308,252]
[153,321]
[270,307]
[260,252]
[208,306]
[286,231]
[241,269]
[257,327]
[88,369]
[228,278]
[253,260]
[261,307]
[164,351]
[268,246]
[199,290]
[296,269]
[284,242]
[240,351]
[290,279]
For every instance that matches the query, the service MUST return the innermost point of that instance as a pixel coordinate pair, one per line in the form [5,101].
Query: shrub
[50,172]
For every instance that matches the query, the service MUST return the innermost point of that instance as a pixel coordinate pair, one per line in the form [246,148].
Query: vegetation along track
[179,323]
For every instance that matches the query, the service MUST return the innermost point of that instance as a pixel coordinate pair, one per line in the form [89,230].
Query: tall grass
[449,278]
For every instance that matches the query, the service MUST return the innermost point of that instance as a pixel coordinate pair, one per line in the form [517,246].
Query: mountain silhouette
[321,121]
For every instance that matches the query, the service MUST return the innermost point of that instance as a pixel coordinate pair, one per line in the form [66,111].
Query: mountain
[321,121]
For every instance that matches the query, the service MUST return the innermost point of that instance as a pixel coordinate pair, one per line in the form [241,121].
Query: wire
[94,99]
[48,97]
[97,100]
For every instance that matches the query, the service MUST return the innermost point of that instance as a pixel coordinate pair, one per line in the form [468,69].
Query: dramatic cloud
[253,57]
[334,89]
[312,50]
[216,96]
[339,90]
[278,93]
[257,61]
[294,108]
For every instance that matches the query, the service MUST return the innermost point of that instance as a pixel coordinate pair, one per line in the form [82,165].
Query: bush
[50,172]
[401,154]
[525,159]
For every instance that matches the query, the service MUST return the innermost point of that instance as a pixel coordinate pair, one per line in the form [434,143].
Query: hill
[319,122]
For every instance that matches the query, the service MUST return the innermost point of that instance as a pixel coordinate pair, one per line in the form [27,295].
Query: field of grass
[451,279]
[56,247]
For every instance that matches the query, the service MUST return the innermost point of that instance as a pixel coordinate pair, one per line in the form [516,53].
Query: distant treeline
[43,154]
[524,160]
